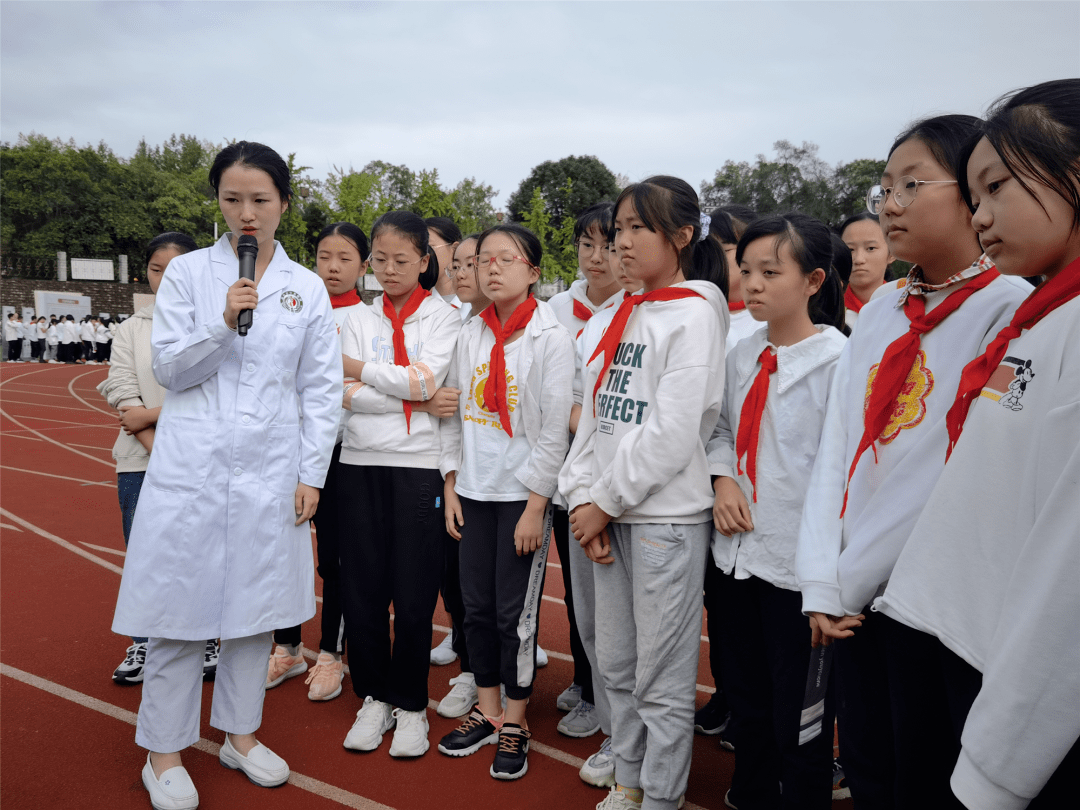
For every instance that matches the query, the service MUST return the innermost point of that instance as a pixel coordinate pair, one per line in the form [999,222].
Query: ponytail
[707,262]
[430,277]
[827,304]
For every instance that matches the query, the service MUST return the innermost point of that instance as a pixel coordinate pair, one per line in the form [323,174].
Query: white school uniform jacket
[843,564]
[86,332]
[131,382]
[787,444]
[69,333]
[11,330]
[993,566]
[340,314]
[742,326]
[214,551]
[545,366]
[102,334]
[562,304]
[52,335]
[376,434]
[639,454]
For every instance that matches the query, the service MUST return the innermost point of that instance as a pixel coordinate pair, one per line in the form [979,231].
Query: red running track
[67,734]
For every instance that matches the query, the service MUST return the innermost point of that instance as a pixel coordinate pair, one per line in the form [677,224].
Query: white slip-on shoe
[261,765]
[443,653]
[411,734]
[461,698]
[173,791]
[373,720]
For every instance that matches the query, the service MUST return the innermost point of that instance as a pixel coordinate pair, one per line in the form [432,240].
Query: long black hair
[413,228]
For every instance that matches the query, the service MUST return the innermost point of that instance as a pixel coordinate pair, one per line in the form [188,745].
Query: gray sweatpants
[169,713]
[648,634]
[581,581]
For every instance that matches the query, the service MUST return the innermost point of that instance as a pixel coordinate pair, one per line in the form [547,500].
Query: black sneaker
[712,718]
[131,671]
[472,735]
[512,756]
[210,657]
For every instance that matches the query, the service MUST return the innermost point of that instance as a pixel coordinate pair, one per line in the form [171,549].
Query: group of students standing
[60,340]
[874,482]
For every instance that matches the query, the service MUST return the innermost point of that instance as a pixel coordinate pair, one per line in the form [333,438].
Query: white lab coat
[213,551]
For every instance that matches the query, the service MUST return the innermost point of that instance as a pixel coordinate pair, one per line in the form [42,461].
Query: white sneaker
[599,769]
[461,698]
[582,721]
[444,654]
[411,736]
[541,657]
[373,720]
[617,800]
[569,698]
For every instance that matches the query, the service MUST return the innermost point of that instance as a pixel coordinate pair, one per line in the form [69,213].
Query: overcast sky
[490,89]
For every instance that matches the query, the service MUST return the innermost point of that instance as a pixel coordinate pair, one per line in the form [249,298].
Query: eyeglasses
[585,248]
[504,260]
[903,192]
[468,266]
[400,264]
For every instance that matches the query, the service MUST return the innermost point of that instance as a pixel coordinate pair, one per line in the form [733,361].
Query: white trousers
[171,705]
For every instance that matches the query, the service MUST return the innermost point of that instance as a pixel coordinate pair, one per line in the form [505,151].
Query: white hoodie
[563,305]
[376,433]
[639,455]
[993,566]
[787,445]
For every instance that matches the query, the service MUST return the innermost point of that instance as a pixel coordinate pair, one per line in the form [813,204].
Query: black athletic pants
[501,592]
[765,683]
[713,617]
[328,530]
[14,349]
[451,596]
[582,670]
[391,552]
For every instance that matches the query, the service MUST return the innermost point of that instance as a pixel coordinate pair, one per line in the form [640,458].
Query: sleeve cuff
[974,789]
[821,597]
[602,499]
[721,471]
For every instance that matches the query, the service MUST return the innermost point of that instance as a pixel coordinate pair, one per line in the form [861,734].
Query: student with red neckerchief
[396,354]
[727,224]
[870,259]
[637,483]
[341,251]
[990,572]
[515,364]
[883,447]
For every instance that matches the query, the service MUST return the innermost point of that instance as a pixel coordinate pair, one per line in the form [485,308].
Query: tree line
[90,202]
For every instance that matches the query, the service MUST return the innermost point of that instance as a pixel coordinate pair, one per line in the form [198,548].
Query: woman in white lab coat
[220,544]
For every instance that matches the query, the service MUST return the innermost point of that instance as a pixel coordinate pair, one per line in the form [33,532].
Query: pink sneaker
[325,678]
[283,665]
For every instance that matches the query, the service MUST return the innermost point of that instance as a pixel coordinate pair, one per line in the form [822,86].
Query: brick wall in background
[105,296]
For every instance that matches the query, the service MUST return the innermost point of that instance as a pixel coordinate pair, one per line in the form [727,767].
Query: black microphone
[247,248]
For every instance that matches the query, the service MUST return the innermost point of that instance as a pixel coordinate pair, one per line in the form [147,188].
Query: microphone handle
[247,270]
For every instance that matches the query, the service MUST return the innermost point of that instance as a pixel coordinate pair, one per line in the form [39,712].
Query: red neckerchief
[746,441]
[582,313]
[397,321]
[345,299]
[1043,300]
[737,306]
[495,387]
[851,301]
[610,340]
[898,359]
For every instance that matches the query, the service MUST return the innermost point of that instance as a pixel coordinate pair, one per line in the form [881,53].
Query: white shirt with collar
[787,446]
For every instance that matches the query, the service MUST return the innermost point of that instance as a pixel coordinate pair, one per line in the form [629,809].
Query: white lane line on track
[554,565]
[10,526]
[91,447]
[111,464]
[60,542]
[82,481]
[71,390]
[67,422]
[39,394]
[105,549]
[9,401]
[311,785]
[15,435]
[554,599]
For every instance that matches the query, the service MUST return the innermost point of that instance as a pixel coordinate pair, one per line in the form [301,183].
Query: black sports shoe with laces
[468,738]
[512,755]
[131,670]
[210,659]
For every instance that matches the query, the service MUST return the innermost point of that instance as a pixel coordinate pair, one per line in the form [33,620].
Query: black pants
[501,592]
[765,682]
[451,596]
[14,349]
[327,545]
[391,551]
[35,349]
[88,350]
[582,669]
[713,618]
[101,352]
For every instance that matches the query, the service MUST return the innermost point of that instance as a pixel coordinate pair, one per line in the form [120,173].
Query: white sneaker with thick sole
[583,721]
[411,735]
[617,800]
[569,698]
[443,653]
[374,719]
[541,657]
[599,769]
[461,698]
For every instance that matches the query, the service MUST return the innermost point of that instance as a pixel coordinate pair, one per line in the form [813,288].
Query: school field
[67,731]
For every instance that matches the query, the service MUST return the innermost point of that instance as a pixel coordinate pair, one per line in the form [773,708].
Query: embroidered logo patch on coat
[291,301]
[910,407]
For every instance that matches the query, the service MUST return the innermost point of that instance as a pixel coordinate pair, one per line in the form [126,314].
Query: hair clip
[706,220]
